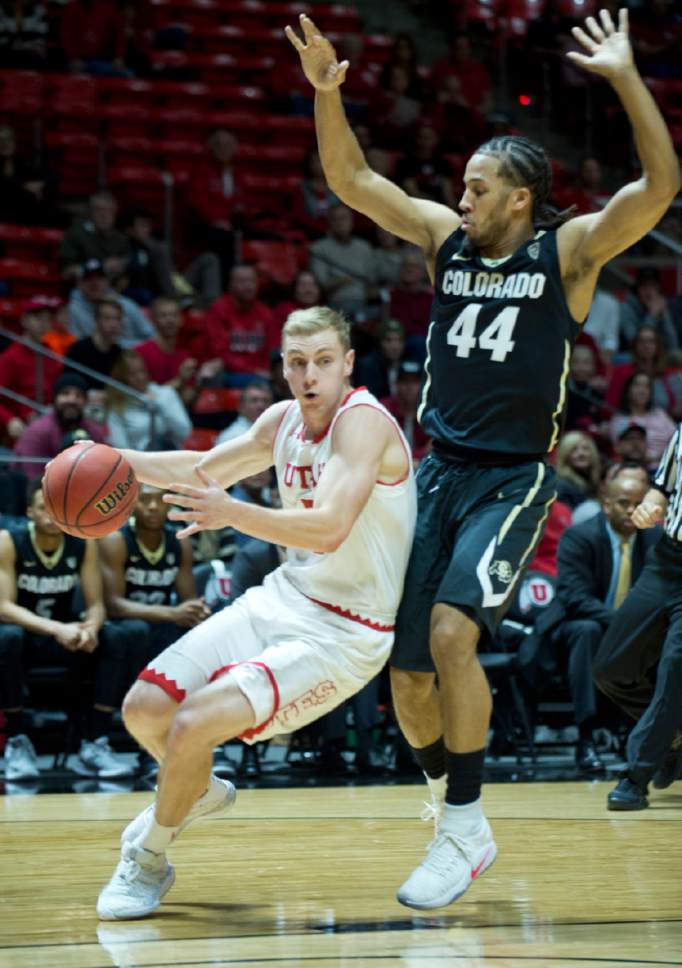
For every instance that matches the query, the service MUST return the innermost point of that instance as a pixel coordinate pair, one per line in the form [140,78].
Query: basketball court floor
[307,877]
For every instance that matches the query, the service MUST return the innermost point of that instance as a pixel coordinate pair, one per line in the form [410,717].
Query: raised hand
[609,50]
[318,57]
[647,514]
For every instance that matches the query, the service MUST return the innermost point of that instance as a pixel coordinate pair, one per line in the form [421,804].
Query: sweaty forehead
[484,168]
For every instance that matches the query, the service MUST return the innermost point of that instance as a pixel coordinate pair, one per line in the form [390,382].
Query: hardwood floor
[308,877]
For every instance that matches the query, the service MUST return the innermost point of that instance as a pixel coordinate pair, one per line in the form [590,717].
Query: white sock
[156,838]
[437,787]
[463,818]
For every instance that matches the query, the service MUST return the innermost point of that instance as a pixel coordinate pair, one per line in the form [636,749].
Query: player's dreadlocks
[525,165]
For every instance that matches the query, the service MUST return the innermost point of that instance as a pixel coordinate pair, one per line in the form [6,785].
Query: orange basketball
[90,490]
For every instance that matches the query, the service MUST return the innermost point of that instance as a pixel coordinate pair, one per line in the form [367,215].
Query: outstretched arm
[361,440]
[419,221]
[591,240]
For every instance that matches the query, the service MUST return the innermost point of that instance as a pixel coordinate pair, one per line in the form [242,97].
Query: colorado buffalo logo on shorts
[501,570]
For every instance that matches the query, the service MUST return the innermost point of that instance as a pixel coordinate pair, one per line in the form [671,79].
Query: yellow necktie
[624,575]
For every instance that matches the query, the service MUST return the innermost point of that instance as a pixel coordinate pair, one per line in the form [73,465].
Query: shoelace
[133,872]
[440,861]
[432,812]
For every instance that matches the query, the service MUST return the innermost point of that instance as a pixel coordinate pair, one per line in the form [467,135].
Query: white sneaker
[220,796]
[452,864]
[96,758]
[21,762]
[137,887]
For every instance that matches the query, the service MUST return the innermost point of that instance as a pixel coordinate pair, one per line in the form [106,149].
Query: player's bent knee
[146,707]
[408,686]
[453,640]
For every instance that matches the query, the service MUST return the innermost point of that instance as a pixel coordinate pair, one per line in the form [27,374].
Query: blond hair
[590,482]
[305,322]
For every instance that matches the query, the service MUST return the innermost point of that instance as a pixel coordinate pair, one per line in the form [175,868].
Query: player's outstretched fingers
[294,38]
[309,28]
[584,39]
[595,29]
[606,21]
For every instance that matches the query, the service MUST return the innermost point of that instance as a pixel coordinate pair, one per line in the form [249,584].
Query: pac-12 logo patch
[534,250]
[502,570]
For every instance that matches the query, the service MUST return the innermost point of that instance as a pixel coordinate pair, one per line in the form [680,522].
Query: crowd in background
[156,345]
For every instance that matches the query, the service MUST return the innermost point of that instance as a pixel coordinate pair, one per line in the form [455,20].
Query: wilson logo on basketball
[111,500]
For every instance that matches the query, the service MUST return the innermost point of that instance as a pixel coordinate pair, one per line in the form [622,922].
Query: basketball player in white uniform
[317,630]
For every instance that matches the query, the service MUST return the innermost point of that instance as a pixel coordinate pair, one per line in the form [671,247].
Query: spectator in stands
[603,323]
[168,364]
[648,356]
[23,35]
[578,468]
[255,489]
[388,254]
[58,338]
[545,558]
[404,54]
[215,199]
[313,200]
[40,568]
[306,293]
[27,190]
[280,388]
[636,407]
[646,305]
[472,77]
[241,330]
[584,401]
[410,299]
[631,446]
[93,37]
[403,405]
[597,561]
[96,237]
[129,419]
[91,288]
[255,399]
[344,264]
[149,584]
[18,366]
[587,193]
[424,172]
[151,271]
[102,350]
[378,371]
[63,424]
[396,107]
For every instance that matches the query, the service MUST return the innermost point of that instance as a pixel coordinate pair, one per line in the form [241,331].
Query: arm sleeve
[665,477]
[575,579]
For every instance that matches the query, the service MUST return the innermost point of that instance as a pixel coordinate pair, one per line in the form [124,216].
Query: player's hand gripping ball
[90,490]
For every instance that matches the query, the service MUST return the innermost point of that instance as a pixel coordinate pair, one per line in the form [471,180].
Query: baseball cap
[93,267]
[41,304]
[69,379]
[409,367]
[628,429]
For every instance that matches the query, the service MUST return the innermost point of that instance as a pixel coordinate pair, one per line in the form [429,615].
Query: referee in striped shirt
[639,662]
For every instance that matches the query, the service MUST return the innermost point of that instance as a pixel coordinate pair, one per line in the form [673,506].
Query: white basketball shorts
[293,659]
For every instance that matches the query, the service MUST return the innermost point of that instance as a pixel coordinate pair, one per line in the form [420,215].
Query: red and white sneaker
[450,867]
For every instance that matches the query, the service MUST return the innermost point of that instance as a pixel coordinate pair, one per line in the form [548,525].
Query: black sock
[431,758]
[99,723]
[15,721]
[465,775]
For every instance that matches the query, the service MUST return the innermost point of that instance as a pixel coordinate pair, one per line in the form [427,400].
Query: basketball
[90,490]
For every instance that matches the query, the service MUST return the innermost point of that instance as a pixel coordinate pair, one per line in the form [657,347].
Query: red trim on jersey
[250,733]
[160,679]
[391,419]
[323,433]
[353,616]
[279,425]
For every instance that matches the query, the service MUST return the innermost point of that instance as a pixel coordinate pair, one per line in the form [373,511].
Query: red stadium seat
[276,261]
[11,311]
[76,157]
[126,91]
[21,93]
[21,241]
[201,438]
[271,160]
[27,278]
[217,400]
[125,120]
[138,185]
[130,151]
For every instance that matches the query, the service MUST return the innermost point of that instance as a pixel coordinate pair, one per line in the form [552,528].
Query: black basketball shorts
[477,527]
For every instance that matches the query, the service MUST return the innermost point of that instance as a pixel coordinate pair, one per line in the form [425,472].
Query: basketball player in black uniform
[512,282]
[40,571]
[148,580]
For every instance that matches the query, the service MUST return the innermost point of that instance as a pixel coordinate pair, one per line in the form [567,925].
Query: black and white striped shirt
[668,479]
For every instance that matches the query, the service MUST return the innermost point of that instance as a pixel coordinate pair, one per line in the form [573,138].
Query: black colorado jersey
[46,582]
[150,575]
[499,347]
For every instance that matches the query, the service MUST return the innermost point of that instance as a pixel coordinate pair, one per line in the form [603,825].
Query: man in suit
[597,562]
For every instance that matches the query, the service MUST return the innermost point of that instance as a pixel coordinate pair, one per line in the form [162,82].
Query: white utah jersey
[362,579]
